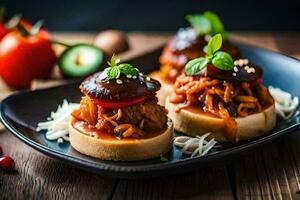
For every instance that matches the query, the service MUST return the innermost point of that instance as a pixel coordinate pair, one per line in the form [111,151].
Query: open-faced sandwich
[187,44]
[225,97]
[119,118]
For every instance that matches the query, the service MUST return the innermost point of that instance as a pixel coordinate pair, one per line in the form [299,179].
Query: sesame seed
[240,62]
[119,81]
[233,74]
[236,62]
[246,68]
[235,69]
[129,76]
[148,78]
[134,77]
[207,38]
[246,61]
[60,140]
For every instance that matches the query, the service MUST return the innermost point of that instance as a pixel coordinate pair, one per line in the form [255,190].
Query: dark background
[155,15]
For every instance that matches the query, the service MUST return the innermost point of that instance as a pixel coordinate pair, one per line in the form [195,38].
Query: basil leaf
[128,69]
[113,61]
[214,44]
[215,22]
[223,61]
[113,73]
[196,65]
[200,24]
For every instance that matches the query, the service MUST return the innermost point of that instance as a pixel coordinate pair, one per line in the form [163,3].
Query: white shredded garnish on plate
[57,125]
[195,146]
[286,105]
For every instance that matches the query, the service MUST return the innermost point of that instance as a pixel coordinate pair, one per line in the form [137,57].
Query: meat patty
[154,115]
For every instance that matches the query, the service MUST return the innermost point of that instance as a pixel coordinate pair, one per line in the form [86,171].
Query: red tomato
[25,58]
[7,162]
[118,104]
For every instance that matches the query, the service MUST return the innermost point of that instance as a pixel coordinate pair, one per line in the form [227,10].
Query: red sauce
[86,129]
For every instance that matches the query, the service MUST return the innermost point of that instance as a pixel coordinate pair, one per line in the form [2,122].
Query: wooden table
[272,172]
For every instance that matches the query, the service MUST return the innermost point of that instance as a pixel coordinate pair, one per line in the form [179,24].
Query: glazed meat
[154,115]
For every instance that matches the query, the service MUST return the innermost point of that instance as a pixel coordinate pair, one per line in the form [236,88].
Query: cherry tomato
[7,162]
[23,58]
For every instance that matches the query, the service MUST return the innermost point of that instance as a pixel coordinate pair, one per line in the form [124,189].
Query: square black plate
[21,112]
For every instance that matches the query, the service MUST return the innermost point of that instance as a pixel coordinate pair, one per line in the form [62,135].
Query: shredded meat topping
[131,121]
[224,99]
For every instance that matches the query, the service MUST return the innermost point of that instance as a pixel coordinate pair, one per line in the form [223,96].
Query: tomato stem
[22,30]
[60,43]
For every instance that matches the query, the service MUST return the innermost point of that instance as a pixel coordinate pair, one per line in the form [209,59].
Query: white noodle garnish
[286,105]
[197,146]
[57,125]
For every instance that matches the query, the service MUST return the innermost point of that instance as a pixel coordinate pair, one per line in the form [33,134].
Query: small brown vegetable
[112,41]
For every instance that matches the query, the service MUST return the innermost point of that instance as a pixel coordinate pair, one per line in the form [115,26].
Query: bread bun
[165,90]
[122,150]
[197,123]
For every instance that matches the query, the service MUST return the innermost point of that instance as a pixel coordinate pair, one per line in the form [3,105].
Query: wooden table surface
[271,172]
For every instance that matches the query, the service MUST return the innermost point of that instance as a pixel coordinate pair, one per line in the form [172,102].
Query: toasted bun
[122,150]
[249,127]
[165,90]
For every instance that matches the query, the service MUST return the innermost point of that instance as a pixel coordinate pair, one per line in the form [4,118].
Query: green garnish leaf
[163,159]
[215,22]
[196,65]
[208,23]
[113,72]
[128,69]
[219,59]
[200,23]
[113,61]
[214,44]
[222,60]
[115,69]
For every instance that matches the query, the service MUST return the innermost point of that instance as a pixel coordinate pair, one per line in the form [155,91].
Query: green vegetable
[214,44]
[208,23]
[115,69]
[219,59]
[80,60]
[223,61]
[200,23]
[216,24]
[196,65]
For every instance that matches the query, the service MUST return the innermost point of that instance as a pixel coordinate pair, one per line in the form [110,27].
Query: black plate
[21,112]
